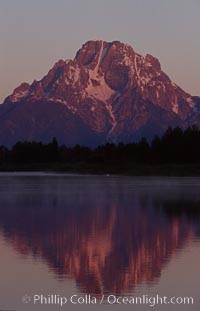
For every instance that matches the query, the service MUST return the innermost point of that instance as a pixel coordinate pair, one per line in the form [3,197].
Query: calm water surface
[77,235]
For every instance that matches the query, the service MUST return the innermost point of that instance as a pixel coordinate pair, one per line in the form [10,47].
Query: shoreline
[179,170]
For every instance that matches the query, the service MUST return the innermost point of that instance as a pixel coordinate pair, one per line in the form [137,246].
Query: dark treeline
[176,146]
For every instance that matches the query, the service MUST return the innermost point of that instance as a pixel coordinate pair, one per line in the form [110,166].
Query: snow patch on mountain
[64,102]
[113,118]
[97,86]
[103,54]
[175,105]
[19,95]
[73,75]
[100,91]
[94,72]
[190,102]
[136,67]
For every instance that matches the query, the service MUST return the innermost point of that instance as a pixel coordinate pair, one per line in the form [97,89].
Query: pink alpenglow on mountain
[108,93]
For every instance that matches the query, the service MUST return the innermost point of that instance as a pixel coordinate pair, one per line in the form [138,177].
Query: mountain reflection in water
[109,234]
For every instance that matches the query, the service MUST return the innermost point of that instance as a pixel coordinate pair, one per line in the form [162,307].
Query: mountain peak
[19,92]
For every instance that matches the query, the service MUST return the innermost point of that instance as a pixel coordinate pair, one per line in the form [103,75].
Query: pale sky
[35,34]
